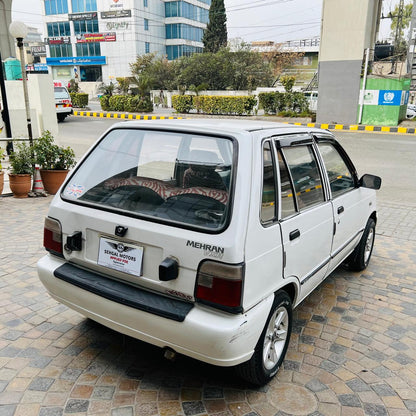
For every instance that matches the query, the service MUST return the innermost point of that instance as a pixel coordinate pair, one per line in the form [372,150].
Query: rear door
[306,214]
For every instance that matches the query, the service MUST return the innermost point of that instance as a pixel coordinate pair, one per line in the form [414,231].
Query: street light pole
[19,30]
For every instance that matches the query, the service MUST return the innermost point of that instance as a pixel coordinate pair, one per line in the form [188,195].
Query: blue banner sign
[76,60]
[389,97]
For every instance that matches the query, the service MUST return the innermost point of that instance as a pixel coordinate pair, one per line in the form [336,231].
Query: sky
[251,20]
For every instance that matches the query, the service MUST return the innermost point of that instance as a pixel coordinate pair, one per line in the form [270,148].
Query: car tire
[360,257]
[271,348]
[61,117]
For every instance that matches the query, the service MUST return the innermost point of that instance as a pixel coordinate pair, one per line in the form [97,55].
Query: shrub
[104,102]
[137,104]
[278,102]
[182,103]
[211,104]
[267,101]
[79,100]
[118,102]
[21,160]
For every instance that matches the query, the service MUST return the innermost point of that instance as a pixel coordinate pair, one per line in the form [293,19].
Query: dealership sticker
[122,257]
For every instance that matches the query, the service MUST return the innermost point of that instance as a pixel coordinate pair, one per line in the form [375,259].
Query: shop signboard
[58,40]
[115,14]
[96,37]
[83,16]
[76,60]
[39,50]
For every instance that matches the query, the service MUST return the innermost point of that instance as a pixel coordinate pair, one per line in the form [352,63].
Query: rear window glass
[168,176]
[61,93]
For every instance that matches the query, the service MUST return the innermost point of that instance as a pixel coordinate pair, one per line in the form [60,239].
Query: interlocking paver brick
[352,349]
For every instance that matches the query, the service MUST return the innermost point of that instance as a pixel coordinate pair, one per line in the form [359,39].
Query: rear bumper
[205,334]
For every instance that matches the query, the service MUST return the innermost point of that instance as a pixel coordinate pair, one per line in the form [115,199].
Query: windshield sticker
[74,190]
[209,250]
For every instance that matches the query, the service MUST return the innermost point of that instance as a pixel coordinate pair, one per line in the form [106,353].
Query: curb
[122,116]
[325,126]
[357,127]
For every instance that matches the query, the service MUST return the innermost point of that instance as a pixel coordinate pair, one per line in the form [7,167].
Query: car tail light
[52,236]
[220,285]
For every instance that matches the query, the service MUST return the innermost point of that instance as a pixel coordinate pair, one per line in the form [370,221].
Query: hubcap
[368,245]
[275,338]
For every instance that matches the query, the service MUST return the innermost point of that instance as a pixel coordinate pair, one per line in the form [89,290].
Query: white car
[201,236]
[63,102]
[411,111]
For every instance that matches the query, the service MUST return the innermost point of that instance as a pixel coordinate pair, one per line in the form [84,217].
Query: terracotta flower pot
[1,181]
[52,179]
[20,184]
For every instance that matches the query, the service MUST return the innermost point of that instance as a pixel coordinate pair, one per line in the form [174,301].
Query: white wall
[42,106]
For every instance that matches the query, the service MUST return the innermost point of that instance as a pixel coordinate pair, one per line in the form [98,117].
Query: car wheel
[360,257]
[61,117]
[271,348]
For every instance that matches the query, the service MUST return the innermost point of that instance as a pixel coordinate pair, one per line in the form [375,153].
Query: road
[389,155]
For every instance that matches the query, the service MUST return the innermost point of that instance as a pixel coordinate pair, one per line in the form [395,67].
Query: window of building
[85,26]
[176,51]
[147,47]
[90,73]
[60,51]
[58,29]
[88,49]
[80,6]
[183,31]
[56,7]
[187,10]
[146,24]
[145,3]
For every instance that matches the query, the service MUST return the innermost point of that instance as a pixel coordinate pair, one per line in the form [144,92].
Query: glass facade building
[101,38]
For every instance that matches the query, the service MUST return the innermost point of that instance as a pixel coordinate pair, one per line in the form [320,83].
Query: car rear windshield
[170,177]
[61,93]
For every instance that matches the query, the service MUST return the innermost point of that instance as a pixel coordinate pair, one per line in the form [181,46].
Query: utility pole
[411,56]
[397,37]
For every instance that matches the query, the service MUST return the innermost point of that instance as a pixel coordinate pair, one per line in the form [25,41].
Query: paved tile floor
[352,352]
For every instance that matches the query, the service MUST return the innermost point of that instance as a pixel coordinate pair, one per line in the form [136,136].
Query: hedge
[214,104]
[277,102]
[79,99]
[133,104]
[182,103]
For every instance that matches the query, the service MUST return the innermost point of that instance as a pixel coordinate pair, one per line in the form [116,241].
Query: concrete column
[348,28]
[7,43]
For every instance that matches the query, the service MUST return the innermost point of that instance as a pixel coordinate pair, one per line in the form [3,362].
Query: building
[92,40]
[304,67]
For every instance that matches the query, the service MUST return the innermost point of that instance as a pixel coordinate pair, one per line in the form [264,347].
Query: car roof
[216,125]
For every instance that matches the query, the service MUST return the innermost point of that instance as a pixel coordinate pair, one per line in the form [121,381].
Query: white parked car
[201,236]
[63,102]
[411,111]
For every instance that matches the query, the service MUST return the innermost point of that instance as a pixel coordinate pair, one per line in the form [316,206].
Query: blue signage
[389,97]
[40,67]
[76,60]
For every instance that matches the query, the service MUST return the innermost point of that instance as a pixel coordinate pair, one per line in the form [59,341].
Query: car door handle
[294,234]
[340,209]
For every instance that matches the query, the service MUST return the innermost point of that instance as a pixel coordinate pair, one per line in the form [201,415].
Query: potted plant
[54,161]
[1,171]
[21,169]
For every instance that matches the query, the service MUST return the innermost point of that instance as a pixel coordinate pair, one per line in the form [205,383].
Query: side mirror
[370,181]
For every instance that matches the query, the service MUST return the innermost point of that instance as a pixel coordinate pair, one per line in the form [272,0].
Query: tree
[398,26]
[215,35]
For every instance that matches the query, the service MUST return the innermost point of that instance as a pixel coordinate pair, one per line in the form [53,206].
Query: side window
[268,205]
[340,177]
[305,175]
[287,201]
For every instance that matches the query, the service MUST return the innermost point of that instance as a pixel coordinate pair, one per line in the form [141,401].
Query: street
[352,349]
[391,156]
